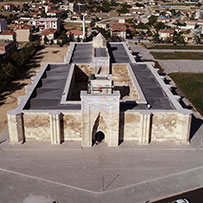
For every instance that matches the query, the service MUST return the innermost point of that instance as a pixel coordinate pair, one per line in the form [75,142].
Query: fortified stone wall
[172,126]
[163,126]
[36,126]
[130,125]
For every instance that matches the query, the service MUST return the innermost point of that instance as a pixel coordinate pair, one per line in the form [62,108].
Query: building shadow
[121,127]
[13,86]
[185,106]
[124,90]
[138,58]
[195,125]
[62,128]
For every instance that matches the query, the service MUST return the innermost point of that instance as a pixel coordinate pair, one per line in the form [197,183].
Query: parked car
[181,201]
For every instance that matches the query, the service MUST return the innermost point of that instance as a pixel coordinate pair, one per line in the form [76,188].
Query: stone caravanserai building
[99,91]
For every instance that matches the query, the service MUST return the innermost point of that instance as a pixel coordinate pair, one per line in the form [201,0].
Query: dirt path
[8,100]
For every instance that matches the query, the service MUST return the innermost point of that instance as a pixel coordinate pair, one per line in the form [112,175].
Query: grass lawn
[181,4]
[178,55]
[165,46]
[191,85]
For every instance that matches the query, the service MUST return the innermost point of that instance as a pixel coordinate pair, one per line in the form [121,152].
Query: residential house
[163,19]
[8,35]
[23,33]
[77,7]
[54,13]
[50,7]
[9,7]
[50,34]
[103,25]
[48,23]
[7,47]
[118,29]
[76,34]
[3,24]
[166,34]
[188,38]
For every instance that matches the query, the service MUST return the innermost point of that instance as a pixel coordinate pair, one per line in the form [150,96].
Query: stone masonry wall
[168,126]
[72,126]
[165,126]
[36,126]
[130,124]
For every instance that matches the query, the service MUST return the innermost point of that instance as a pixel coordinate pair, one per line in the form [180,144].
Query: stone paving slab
[18,187]
[189,66]
[175,50]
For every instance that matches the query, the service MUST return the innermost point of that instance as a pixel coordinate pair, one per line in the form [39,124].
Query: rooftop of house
[8,32]
[48,31]
[166,31]
[75,32]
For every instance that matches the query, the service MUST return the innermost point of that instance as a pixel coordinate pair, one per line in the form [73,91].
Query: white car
[181,201]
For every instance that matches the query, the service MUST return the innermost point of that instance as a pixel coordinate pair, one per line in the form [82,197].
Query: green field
[181,4]
[178,55]
[191,85]
[176,47]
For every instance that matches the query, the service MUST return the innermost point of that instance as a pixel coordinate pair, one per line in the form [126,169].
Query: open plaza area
[129,173]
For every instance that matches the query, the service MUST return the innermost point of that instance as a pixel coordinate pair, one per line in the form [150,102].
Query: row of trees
[15,64]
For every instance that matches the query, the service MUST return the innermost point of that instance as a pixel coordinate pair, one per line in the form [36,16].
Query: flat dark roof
[82,53]
[118,53]
[100,52]
[49,90]
[152,90]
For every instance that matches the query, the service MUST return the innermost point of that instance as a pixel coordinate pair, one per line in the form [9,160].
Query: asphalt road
[195,196]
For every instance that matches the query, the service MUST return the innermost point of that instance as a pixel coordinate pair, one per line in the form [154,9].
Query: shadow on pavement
[195,125]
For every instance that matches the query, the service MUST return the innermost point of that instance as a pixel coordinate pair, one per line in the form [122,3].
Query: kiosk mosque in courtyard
[100,93]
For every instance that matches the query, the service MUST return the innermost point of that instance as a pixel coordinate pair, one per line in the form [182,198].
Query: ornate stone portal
[100,113]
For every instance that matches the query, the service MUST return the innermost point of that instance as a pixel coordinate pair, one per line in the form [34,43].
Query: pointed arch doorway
[99,130]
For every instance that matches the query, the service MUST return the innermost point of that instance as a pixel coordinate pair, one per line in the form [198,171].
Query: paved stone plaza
[66,173]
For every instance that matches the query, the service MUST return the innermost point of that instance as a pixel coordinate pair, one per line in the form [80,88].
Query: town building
[99,94]
[49,34]
[9,7]
[7,47]
[48,23]
[3,24]
[8,35]
[166,34]
[23,33]
[75,33]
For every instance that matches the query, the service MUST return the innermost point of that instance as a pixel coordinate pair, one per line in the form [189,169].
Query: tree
[124,8]
[159,26]
[179,39]
[78,39]
[71,38]
[152,20]
[156,38]
[46,39]
[197,39]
